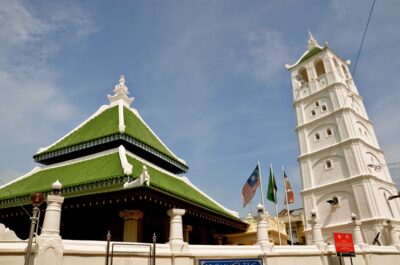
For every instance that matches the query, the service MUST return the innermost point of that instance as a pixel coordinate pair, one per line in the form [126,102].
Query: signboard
[344,244]
[230,262]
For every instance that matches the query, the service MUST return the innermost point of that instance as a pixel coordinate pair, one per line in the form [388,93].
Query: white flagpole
[261,185]
[276,207]
[287,207]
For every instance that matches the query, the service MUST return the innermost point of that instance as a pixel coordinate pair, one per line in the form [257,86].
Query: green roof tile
[178,187]
[101,168]
[138,130]
[102,125]
[310,54]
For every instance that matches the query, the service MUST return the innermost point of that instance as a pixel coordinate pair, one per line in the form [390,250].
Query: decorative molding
[124,162]
[7,235]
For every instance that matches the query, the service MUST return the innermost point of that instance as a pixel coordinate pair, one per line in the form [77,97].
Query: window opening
[319,68]
[328,164]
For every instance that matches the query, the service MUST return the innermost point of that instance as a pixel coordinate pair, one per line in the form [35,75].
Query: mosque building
[117,176]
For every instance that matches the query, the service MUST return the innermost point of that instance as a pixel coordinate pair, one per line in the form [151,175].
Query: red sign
[343,243]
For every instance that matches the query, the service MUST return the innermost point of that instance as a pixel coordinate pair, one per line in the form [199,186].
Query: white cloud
[32,99]
[265,55]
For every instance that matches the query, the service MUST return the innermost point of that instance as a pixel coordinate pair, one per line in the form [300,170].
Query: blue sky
[207,76]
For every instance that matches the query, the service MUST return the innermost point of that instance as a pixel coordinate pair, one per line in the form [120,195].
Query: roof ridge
[33,171]
[124,161]
[136,112]
[185,179]
[121,119]
[97,113]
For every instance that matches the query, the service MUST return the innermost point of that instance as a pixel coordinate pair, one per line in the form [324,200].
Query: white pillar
[175,228]
[51,223]
[50,246]
[131,224]
[316,231]
[393,230]
[357,234]
[262,229]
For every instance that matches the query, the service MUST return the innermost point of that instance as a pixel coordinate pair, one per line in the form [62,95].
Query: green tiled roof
[177,187]
[310,54]
[101,168]
[102,125]
[107,124]
[80,179]
[138,130]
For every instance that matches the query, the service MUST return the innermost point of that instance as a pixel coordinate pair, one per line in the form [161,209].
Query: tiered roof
[113,150]
[111,126]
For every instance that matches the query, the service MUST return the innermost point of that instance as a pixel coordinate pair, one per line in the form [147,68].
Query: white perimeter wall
[94,252]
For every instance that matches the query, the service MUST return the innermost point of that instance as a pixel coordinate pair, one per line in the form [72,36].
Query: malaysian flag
[251,185]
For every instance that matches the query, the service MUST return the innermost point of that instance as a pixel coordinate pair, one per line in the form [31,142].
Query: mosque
[118,175]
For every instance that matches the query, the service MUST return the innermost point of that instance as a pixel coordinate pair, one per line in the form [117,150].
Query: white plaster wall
[93,253]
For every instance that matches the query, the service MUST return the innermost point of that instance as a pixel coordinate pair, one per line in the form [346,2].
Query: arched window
[323,108]
[317,137]
[303,75]
[329,132]
[316,103]
[312,112]
[319,68]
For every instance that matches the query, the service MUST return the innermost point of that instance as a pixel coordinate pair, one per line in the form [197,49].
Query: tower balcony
[306,89]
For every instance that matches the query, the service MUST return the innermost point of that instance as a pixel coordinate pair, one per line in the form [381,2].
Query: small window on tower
[312,112]
[328,164]
[323,108]
[316,103]
[317,137]
[329,132]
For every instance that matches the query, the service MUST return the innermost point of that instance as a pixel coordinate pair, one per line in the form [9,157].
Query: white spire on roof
[312,43]
[121,94]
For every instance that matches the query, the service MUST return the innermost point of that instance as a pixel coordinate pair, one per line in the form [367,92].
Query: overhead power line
[362,40]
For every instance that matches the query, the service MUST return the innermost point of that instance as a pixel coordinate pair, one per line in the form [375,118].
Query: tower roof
[313,48]
[112,125]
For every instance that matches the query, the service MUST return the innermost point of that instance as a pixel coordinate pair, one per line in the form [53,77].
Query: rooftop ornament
[121,94]
[56,186]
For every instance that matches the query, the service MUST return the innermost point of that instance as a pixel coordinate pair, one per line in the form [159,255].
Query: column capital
[174,211]
[55,198]
[131,214]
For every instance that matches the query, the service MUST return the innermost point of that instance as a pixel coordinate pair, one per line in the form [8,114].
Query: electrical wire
[363,38]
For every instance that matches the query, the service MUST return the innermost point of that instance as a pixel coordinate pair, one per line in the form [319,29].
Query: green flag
[271,193]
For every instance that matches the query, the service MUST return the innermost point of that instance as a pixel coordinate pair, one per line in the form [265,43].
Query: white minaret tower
[343,170]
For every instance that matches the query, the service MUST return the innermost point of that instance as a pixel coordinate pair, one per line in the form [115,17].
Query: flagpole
[276,209]
[287,207]
[261,185]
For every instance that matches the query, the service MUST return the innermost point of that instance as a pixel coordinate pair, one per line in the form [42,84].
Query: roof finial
[121,93]
[312,43]
[122,80]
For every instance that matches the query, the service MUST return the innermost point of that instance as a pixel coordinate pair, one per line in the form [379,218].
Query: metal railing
[110,256]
